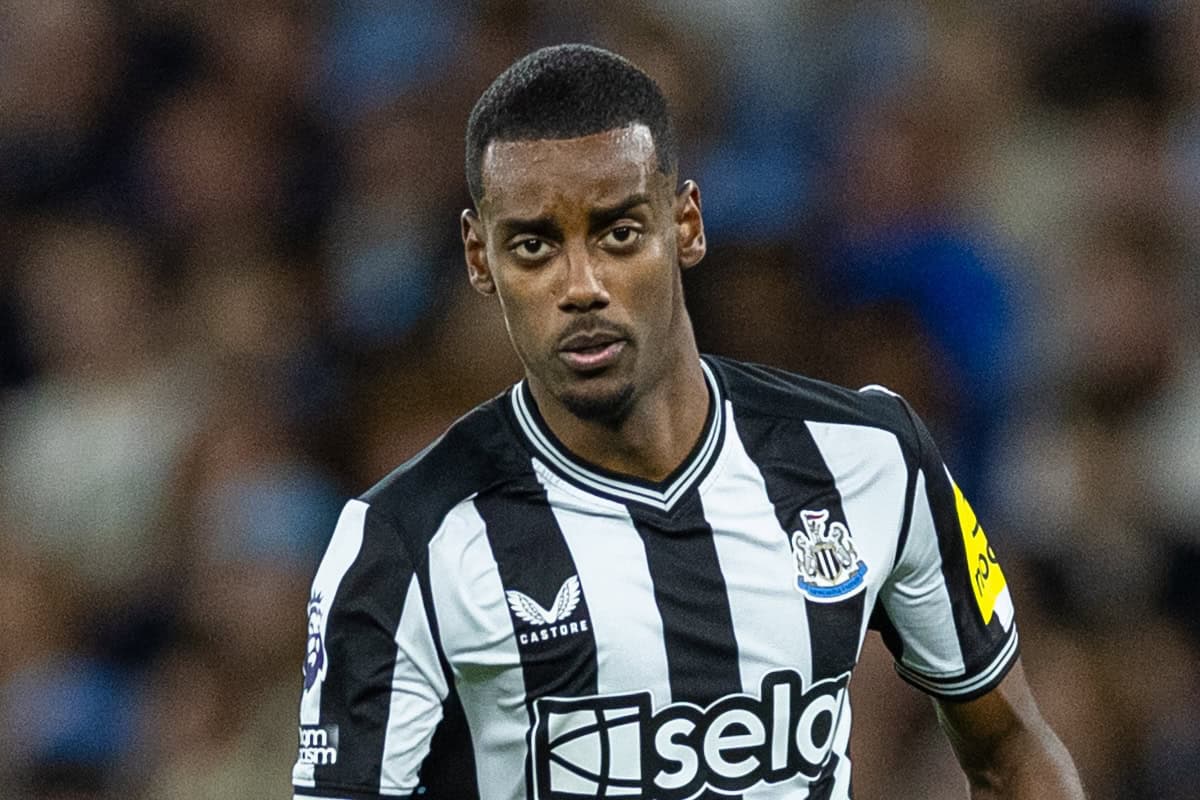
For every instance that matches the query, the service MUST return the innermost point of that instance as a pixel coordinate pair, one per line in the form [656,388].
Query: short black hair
[564,92]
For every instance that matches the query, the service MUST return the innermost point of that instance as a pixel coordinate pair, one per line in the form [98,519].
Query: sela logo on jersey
[548,623]
[314,658]
[827,564]
[618,746]
[318,744]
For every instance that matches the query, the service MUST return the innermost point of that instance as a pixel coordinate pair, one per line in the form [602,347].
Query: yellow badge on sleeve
[987,580]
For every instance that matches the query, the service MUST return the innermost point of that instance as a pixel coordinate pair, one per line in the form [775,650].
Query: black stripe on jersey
[449,768]
[981,644]
[880,621]
[689,589]
[834,629]
[798,479]
[822,788]
[910,496]
[405,510]
[361,626]
[558,654]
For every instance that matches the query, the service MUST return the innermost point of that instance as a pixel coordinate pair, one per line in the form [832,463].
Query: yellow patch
[987,580]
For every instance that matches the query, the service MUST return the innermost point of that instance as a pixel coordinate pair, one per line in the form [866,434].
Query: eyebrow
[538,226]
[602,217]
[546,226]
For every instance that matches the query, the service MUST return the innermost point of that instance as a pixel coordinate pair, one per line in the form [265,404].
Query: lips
[588,351]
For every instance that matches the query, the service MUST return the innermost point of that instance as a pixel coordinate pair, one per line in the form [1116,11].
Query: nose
[583,290]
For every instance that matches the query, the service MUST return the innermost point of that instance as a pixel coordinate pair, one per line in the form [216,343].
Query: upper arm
[945,611]
[1005,746]
[374,684]
[979,728]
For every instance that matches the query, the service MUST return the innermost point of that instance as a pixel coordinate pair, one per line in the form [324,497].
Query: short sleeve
[945,611]
[374,687]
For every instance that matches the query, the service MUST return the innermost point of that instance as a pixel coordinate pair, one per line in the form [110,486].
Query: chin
[597,404]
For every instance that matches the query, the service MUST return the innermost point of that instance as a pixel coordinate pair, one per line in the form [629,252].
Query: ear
[689,225]
[475,252]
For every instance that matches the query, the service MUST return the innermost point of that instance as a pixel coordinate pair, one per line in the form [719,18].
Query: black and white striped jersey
[499,619]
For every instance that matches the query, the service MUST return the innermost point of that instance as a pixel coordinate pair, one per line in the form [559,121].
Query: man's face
[582,240]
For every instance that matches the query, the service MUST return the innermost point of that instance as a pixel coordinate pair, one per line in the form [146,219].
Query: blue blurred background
[232,296]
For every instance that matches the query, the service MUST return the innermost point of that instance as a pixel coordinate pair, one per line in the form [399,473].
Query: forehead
[535,177]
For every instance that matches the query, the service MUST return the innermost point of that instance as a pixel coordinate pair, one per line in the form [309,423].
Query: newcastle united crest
[827,564]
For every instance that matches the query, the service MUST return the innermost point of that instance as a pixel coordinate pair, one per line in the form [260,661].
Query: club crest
[827,564]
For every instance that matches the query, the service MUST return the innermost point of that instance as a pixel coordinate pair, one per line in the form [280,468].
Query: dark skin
[584,241]
[1005,746]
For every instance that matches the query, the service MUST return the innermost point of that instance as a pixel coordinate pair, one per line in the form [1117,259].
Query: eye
[622,236]
[531,248]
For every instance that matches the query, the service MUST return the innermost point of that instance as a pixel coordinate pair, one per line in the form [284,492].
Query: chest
[694,604]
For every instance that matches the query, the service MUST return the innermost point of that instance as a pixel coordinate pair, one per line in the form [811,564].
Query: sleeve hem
[962,688]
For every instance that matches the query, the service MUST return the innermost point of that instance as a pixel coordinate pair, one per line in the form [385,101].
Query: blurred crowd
[232,296]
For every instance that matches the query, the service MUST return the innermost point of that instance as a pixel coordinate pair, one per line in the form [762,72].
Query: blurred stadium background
[232,296]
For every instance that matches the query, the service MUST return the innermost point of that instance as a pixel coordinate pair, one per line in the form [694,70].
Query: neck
[660,430]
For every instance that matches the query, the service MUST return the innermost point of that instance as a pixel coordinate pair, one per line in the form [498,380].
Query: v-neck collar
[660,495]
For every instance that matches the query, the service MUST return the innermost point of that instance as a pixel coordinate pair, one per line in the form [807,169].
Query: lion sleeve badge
[314,658]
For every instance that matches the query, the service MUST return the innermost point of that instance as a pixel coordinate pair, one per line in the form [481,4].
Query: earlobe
[475,252]
[689,225]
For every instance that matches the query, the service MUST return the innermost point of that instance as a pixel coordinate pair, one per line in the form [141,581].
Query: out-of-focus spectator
[56,77]
[87,452]
[258,513]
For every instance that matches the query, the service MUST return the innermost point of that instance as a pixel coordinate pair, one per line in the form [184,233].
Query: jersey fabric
[500,620]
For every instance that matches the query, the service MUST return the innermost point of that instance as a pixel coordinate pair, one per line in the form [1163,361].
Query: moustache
[584,332]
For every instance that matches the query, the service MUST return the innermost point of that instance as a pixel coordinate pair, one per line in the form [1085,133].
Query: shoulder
[761,391]
[478,451]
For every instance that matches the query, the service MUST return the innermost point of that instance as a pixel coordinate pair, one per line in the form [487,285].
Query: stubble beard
[607,407]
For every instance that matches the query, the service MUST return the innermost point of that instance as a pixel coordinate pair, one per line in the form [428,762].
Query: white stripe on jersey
[920,605]
[755,554]
[756,560]
[343,549]
[418,689]
[870,474]
[868,466]
[621,603]
[477,636]
[1004,608]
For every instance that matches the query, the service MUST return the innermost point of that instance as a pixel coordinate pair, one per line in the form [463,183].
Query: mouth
[591,352]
